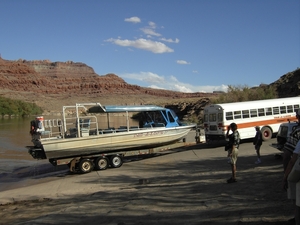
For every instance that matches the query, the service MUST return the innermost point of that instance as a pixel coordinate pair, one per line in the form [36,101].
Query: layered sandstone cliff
[54,84]
[43,76]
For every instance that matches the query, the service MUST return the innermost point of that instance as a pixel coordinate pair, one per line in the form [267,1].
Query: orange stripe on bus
[266,122]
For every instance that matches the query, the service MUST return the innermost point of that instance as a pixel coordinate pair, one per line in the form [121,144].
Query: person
[291,183]
[291,142]
[257,142]
[290,146]
[234,141]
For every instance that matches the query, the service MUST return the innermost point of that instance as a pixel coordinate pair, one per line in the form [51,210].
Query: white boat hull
[139,139]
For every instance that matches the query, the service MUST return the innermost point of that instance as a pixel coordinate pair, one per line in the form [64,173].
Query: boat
[91,128]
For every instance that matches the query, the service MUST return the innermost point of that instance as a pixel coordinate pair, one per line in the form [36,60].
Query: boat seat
[85,123]
[147,126]
[134,128]
[109,130]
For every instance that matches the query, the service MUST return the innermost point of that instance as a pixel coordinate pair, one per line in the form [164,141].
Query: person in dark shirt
[291,143]
[288,150]
[257,142]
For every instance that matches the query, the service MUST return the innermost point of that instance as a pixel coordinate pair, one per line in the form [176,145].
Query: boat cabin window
[155,117]
[172,120]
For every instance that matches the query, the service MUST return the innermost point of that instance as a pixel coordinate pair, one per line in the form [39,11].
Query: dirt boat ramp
[184,186]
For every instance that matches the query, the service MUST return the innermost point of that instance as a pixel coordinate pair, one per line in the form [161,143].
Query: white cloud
[194,71]
[149,79]
[150,31]
[156,87]
[182,62]
[152,25]
[170,40]
[133,19]
[148,45]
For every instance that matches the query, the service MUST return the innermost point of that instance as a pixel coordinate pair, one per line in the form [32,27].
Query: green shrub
[18,108]
[244,93]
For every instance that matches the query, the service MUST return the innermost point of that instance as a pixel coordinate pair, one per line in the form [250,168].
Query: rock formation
[54,84]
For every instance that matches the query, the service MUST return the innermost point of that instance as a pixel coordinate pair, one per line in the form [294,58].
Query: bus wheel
[101,163]
[266,133]
[116,161]
[85,166]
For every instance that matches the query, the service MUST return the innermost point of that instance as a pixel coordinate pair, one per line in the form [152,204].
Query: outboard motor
[36,127]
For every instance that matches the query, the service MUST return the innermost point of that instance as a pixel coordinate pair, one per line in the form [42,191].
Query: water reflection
[17,167]
[14,135]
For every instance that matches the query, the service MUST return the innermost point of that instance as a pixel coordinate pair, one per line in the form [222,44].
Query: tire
[101,163]
[266,133]
[116,161]
[85,166]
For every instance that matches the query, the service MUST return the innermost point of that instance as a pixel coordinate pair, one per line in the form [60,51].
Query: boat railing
[51,127]
[86,126]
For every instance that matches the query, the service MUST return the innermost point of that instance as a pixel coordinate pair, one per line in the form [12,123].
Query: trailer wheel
[85,166]
[116,161]
[266,133]
[101,163]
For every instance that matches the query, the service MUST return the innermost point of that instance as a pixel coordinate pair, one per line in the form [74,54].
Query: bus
[267,114]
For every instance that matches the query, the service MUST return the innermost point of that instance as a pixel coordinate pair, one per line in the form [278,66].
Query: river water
[17,167]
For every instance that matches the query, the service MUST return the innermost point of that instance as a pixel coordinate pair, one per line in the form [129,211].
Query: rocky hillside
[288,85]
[69,77]
[54,84]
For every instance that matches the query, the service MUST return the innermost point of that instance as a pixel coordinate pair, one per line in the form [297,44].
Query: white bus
[267,114]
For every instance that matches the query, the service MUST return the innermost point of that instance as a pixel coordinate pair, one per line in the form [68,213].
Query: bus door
[214,124]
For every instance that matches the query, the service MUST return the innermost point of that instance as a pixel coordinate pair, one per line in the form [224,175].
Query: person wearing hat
[234,141]
[257,142]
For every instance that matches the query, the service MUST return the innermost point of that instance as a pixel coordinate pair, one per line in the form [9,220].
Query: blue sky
[182,45]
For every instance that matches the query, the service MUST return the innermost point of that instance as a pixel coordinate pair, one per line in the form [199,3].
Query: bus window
[282,109]
[212,117]
[229,116]
[245,114]
[275,110]
[261,112]
[289,109]
[253,112]
[296,107]
[237,115]
[269,112]
[205,118]
[220,117]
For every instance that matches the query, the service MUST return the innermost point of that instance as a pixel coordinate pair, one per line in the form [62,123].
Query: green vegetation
[18,108]
[244,93]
